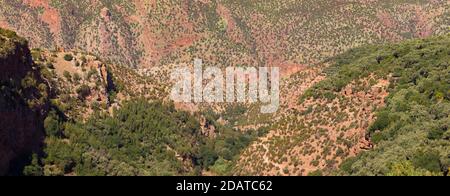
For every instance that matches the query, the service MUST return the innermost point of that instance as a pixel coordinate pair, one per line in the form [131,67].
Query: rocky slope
[328,105]
[385,106]
[23,102]
[141,33]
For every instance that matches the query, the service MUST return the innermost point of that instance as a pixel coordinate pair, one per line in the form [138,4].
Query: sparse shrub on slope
[227,32]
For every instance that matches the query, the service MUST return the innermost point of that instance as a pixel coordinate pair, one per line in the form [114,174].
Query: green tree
[76,77]
[68,57]
[429,160]
[34,169]
[67,75]
[406,168]
[52,124]
[83,91]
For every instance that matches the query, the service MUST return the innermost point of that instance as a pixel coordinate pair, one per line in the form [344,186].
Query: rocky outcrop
[23,102]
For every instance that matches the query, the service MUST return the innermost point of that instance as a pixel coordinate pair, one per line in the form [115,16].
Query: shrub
[383,120]
[346,166]
[50,65]
[76,77]
[429,160]
[68,57]
[315,163]
[67,75]
[406,168]
[316,173]
[83,91]
[83,60]
[340,152]
[52,124]
[437,133]
[91,72]
[286,170]
[222,167]
[34,169]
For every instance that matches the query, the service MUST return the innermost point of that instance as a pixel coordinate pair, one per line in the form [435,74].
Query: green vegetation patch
[411,134]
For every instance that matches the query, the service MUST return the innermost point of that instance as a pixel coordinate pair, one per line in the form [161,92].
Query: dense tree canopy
[140,138]
[411,134]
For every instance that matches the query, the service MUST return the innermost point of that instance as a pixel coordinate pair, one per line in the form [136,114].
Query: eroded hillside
[385,106]
[379,109]
[141,33]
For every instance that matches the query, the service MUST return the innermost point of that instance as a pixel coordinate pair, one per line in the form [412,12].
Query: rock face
[23,102]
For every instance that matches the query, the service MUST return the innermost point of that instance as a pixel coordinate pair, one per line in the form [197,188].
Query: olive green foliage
[83,91]
[220,153]
[23,102]
[68,57]
[26,87]
[52,124]
[67,75]
[141,138]
[8,41]
[34,169]
[411,134]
